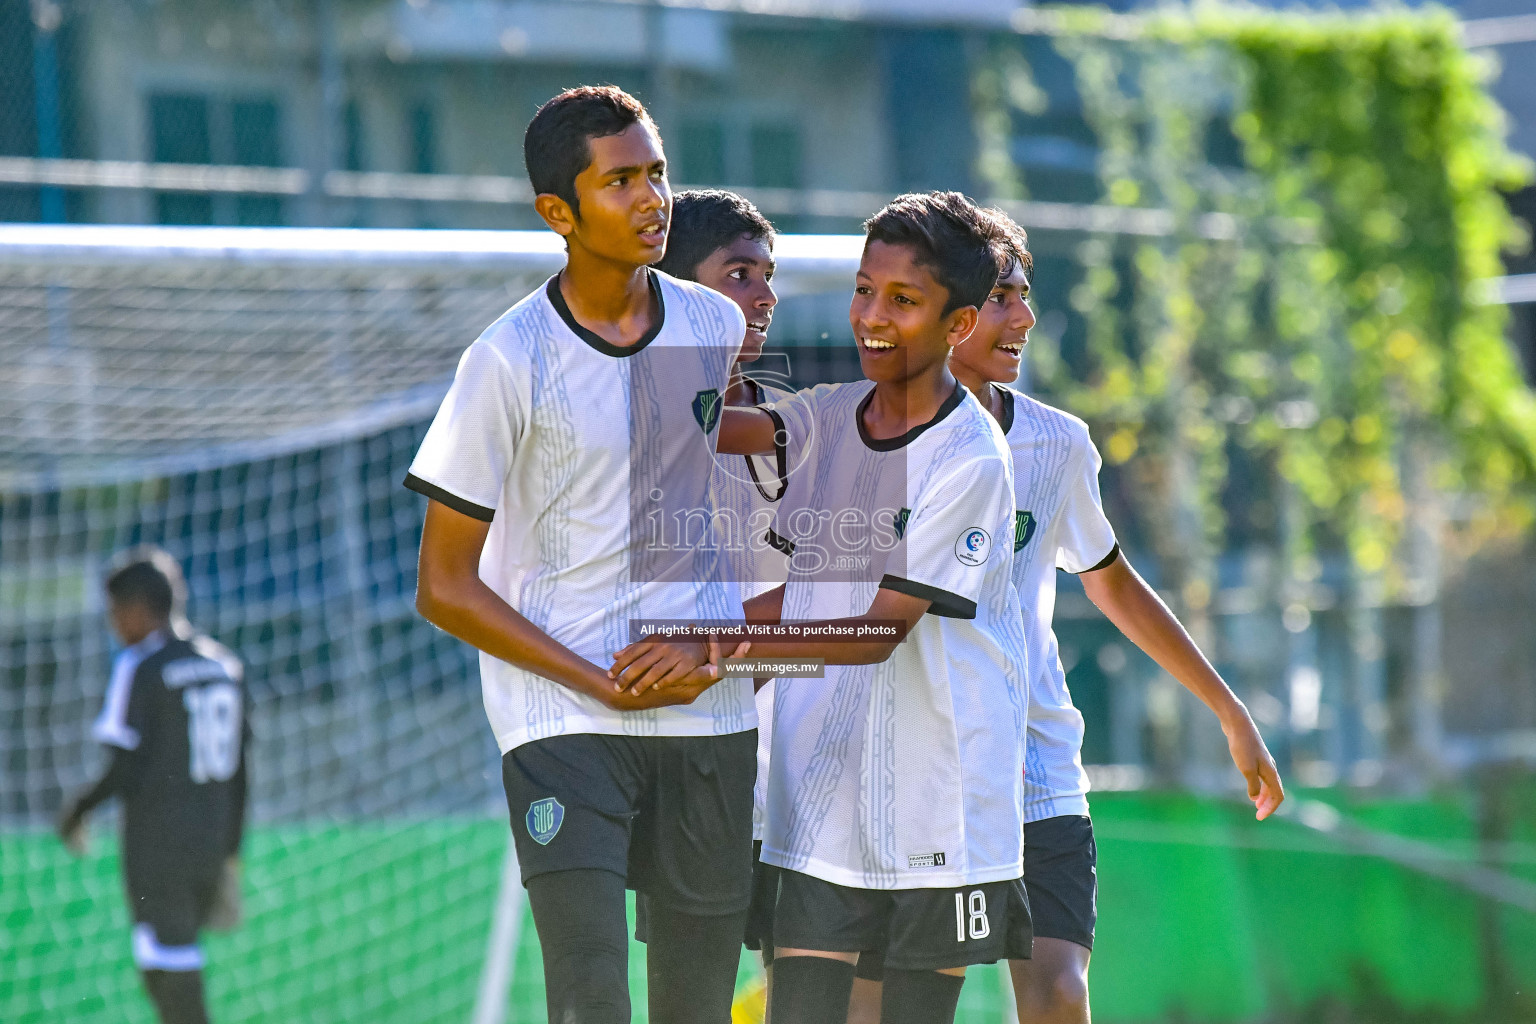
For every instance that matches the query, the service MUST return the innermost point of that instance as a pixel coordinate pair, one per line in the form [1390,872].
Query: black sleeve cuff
[780,457]
[950,606]
[784,544]
[453,501]
[1105,562]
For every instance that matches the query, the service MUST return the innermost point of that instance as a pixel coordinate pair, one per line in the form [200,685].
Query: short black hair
[558,143]
[704,220]
[1018,248]
[149,577]
[965,247]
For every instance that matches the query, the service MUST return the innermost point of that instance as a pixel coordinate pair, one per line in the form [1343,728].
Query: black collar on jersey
[891,444]
[1008,402]
[607,348]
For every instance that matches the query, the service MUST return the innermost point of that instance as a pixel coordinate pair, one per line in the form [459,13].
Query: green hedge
[1324,323]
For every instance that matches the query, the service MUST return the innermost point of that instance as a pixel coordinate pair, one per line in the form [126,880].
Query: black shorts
[1061,878]
[918,929]
[1061,874]
[167,915]
[671,814]
[765,894]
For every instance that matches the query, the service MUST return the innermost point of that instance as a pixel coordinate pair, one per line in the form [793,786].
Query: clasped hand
[659,673]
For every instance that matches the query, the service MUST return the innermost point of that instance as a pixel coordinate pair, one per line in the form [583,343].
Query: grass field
[1206,916]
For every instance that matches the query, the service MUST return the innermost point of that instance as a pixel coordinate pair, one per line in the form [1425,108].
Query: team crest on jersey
[544,818]
[973,546]
[706,408]
[1024,524]
[901,522]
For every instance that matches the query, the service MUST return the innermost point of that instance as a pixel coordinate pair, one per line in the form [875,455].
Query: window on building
[700,153]
[422,126]
[735,150]
[194,128]
[256,143]
[180,133]
[354,147]
[180,129]
[775,152]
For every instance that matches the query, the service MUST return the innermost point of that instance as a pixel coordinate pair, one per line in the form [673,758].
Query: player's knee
[586,960]
[586,980]
[1068,991]
[599,1001]
[864,1004]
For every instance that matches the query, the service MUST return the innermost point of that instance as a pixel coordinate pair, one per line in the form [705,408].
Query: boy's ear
[961,323]
[557,213]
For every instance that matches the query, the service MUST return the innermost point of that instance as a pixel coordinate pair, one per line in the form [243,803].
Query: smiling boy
[1060,524]
[720,240]
[895,782]
[592,398]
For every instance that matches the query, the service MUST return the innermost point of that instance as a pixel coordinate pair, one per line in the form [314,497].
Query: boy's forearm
[1136,610]
[90,799]
[767,606]
[890,608]
[118,778]
[833,652]
[473,612]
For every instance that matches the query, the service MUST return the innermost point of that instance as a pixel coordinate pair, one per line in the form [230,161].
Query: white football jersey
[909,773]
[594,465]
[1059,524]
[751,487]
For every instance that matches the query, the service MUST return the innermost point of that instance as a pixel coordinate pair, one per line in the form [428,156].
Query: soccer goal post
[250,400]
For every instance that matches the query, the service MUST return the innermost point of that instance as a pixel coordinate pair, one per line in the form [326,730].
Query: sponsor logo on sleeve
[973,546]
[544,818]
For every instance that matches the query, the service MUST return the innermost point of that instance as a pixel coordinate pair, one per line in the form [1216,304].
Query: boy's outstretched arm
[1136,610]
[746,431]
[451,596]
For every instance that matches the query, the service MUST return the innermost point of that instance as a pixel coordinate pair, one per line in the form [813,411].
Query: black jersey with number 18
[177,703]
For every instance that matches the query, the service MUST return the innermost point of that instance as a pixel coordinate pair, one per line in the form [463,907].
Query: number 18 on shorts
[971,915]
[916,929]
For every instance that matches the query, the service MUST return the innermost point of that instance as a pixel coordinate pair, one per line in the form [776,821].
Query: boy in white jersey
[895,782]
[1060,524]
[588,409]
[720,240]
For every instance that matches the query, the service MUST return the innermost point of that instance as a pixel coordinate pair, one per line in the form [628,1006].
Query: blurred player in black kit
[174,722]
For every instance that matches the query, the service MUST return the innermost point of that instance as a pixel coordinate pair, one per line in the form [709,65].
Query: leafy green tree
[1313,307]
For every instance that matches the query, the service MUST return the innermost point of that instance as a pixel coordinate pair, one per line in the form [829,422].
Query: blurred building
[857,98]
[822,107]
